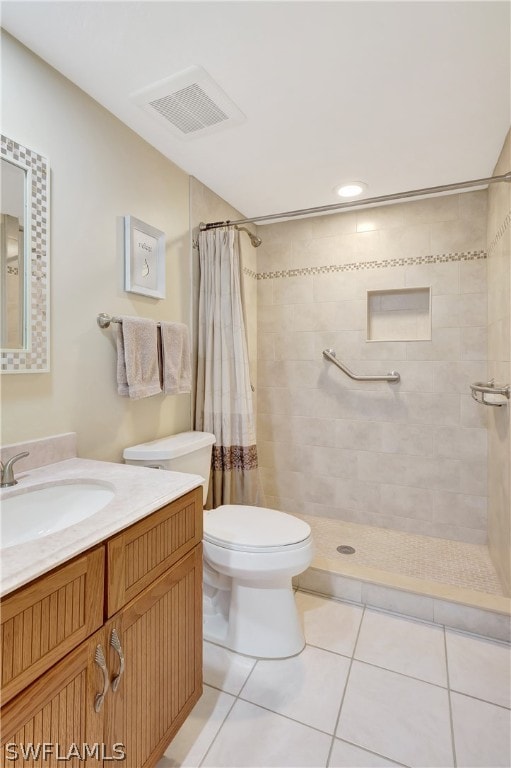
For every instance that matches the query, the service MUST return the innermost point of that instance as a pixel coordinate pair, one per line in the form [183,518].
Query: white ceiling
[400,95]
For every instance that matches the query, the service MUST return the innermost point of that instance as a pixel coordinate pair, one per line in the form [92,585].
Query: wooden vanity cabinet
[151,643]
[160,633]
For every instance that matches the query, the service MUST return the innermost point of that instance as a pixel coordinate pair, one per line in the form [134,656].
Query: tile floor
[369,689]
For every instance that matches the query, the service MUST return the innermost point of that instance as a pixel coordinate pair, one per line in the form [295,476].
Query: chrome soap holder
[489,393]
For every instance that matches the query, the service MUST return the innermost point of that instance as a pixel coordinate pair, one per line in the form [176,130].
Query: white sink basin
[28,515]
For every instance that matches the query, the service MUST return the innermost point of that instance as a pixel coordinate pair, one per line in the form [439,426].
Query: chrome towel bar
[330,355]
[104,320]
[498,393]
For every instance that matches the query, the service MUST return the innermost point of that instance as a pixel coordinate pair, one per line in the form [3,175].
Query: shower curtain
[224,394]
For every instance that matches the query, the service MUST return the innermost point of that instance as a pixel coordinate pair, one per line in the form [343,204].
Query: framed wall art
[144,258]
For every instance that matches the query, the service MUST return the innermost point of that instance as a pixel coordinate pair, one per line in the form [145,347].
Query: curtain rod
[363,202]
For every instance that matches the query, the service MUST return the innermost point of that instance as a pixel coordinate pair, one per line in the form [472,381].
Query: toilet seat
[254,529]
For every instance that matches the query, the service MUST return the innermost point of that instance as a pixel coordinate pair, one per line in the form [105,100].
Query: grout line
[403,674]
[334,598]
[372,752]
[405,616]
[201,762]
[451,721]
[345,687]
[247,678]
[236,698]
[329,650]
[287,717]
[484,701]
[476,635]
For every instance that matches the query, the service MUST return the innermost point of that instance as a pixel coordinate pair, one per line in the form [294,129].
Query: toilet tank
[185,452]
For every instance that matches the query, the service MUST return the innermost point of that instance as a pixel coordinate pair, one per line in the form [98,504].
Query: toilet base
[258,619]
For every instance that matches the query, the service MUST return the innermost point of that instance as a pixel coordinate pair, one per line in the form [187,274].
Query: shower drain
[345,549]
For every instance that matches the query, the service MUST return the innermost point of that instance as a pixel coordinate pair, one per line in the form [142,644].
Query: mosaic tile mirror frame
[33,355]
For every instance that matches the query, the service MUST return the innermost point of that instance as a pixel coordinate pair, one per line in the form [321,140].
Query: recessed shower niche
[399,314]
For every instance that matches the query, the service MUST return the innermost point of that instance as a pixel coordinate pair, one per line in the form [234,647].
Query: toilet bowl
[252,609]
[250,557]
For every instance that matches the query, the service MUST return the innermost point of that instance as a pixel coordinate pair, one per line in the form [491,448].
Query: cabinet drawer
[141,553]
[43,621]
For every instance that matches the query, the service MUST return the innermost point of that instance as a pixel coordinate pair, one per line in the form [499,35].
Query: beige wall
[499,367]
[412,455]
[206,206]
[100,171]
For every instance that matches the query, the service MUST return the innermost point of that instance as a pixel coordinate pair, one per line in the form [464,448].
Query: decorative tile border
[500,232]
[364,265]
[35,357]
[250,273]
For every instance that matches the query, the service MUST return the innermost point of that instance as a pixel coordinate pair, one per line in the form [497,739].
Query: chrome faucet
[7,474]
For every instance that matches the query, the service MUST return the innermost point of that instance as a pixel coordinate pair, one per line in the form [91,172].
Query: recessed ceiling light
[352,189]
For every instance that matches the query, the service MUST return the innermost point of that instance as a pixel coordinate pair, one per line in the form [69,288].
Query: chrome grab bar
[490,388]
[330,355]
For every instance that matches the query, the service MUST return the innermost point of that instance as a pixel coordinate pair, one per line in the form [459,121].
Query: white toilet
[250,557]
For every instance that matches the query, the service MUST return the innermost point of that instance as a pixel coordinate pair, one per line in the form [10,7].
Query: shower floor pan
[447,582]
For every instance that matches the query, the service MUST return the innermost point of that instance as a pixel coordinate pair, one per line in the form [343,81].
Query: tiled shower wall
[410,456]
[499,367]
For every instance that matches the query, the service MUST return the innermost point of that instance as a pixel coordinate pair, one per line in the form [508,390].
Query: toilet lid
[238,526]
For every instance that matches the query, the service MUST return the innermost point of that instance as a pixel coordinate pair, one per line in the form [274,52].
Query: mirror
[24,262]
[12,256]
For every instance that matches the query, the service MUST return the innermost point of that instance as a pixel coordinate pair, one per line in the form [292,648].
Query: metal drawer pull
[99,658]
[116,645]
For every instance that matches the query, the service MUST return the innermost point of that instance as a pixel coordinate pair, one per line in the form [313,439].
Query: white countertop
[138,492]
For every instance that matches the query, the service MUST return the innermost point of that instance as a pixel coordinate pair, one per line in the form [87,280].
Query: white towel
[138,373]
[176,363]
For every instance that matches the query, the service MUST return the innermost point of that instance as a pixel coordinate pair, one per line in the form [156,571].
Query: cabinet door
[161,637]
[60,713]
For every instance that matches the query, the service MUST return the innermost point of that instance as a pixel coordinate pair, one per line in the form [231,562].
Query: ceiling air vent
[190,104]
